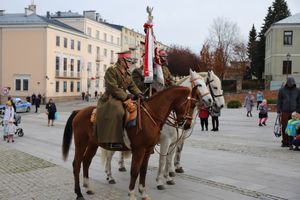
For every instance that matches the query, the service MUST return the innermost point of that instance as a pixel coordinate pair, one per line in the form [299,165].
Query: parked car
[21,105]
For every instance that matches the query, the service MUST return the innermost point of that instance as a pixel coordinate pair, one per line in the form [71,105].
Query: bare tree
[240,52]
[223,36]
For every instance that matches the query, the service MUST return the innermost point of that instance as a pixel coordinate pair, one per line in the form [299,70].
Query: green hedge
[272,101]
[234,104]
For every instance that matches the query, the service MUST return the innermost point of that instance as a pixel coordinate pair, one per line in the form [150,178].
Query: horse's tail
[68,132]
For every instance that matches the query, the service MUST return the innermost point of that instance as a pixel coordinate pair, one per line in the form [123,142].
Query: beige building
[283,51]
[103,42]
[60,55]
[40,55]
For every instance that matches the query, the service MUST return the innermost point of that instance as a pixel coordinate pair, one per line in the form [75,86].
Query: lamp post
[288,57]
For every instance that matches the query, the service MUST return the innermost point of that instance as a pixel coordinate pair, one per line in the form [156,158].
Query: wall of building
[24,57]
[276,52]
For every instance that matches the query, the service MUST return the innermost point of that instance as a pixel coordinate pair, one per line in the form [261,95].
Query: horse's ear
[191,71]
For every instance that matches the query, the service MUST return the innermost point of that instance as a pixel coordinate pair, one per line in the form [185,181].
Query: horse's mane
[163,91]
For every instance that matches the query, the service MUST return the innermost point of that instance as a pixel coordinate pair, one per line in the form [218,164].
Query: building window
[105,37]
[57,86]
[57,64]
[89,31]
[18,85]
[287,67]
[72,67]
[98,52]
[111,56]
[112,39]
[57,41]
[118,41]
[72,44]
[97,83]
[65,42]
[25,84]
[97,35]
[89,66]
[78,45]
[78,86]
[65,64]
[78,65]
[105,52]
[97,69]
[21,84]
[65,86]
[72,86]
[90,48]
[105,67]
[288,38]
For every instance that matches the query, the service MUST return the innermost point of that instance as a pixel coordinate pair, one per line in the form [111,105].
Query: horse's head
[215,87]
[198,82]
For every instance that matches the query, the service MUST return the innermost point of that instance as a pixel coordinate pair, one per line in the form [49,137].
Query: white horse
[168,139]
[215,87]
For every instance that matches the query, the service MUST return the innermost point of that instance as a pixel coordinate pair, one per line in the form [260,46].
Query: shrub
[272,101]
[234,104]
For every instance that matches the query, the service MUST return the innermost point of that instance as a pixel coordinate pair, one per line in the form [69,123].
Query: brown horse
[158,109]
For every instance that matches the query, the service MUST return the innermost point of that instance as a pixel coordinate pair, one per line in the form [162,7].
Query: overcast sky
[181,22]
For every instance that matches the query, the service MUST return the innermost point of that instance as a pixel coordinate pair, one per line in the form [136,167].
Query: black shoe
[213,129]
[284,145]
[202,129]
[206,129]
[291,148]
[259,124]
[296,148]
[264,123]
[216,129]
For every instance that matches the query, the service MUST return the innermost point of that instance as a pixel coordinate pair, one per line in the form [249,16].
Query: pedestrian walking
[263,113]
[215,113]
[37,104]
[33,97]
[96,94]
[12,103]
[50,111]
[249,103]
[259,98]
[288,101]
[82,95]
[203,115]
[8,121]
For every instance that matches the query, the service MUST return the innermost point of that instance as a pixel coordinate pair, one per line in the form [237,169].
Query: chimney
[32,7]
[28,12]
[97,17]
[91,14]
[2,12]
[48,15]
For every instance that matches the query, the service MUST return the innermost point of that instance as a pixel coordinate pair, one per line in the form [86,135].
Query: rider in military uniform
[110,111]
[138,74]
[164,64]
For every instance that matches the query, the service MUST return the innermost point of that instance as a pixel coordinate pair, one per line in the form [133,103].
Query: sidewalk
[240,162]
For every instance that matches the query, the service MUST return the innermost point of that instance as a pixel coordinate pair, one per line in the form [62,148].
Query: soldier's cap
[127,56]
[162,53]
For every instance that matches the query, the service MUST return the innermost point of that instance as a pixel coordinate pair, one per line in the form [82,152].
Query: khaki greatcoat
[110,111]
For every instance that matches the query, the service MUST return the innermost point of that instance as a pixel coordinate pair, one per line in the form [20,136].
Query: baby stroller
[19,131]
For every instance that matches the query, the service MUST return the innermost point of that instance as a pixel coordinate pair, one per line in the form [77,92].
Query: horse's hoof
[122,169]
[90,192]
[172,174]
[161,187]
[112,181]
[85,185]
[179,170]
[146,198]
[171,182]
[80,198]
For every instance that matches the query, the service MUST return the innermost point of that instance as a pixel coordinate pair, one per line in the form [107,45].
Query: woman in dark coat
[50,111]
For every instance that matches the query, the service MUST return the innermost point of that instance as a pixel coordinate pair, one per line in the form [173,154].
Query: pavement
[242,161]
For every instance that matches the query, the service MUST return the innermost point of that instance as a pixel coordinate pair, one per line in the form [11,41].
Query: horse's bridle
[211,90]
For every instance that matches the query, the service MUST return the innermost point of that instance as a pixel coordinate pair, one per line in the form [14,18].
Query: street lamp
[288,57]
